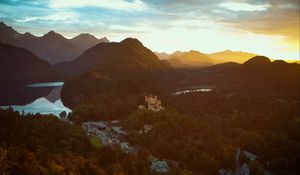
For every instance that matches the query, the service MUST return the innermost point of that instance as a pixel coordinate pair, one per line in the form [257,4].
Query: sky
[264,27]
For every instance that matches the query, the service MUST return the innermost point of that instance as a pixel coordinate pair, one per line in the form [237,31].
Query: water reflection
[49,101]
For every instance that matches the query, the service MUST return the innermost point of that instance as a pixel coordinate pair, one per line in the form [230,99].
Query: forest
[44,145]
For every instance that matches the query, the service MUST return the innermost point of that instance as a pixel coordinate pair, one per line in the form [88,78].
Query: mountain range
[52,46]
[190,59]
[232,56]
[193,59]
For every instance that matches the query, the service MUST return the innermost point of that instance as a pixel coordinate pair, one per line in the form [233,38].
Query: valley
[89,106]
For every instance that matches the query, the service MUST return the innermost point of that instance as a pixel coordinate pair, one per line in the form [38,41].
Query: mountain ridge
[52,46]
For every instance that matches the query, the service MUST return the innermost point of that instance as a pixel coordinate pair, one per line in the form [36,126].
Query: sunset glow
[267,27]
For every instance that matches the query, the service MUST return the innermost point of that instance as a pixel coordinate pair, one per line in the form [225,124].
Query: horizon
[263,27]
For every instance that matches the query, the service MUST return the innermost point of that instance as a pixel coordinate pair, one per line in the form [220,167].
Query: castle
[152,103]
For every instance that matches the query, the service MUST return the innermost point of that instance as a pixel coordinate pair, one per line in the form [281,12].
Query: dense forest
[252,106]
[209,134]
[42,145]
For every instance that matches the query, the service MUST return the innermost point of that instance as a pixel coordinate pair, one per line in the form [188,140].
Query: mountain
[129,55]
[86,40]
[257,61]
[190,59]
[231,56]
[19,66]
[177,58]
[176,54]
[52,47]
[121,74]
[161,55]
[257,75]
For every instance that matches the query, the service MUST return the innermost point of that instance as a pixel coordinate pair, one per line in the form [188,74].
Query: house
[249,155]
[146,128]
[225,172]
[118,130]
[244,170]
[159,166]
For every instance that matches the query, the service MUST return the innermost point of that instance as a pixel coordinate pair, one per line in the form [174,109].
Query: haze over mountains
[55,48]
[192,59]
[231,56]
[52,46]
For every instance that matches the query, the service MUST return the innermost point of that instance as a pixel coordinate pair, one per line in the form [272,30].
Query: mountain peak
[6,28]
[85,36]
[52,34]
[258,60]
[227,51]
[2,24]
[193,52]
[28,34]
[131,41]
[104,40]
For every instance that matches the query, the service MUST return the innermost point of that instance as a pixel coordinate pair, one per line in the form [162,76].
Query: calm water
[48,104]
[49,84]
[192,91]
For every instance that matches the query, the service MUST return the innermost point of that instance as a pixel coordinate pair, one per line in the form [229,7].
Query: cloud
[109,4]
[57,17]
[165,21]
[241,6]
[281,18]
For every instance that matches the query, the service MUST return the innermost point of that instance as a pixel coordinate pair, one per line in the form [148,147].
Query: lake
[194,89]
[43,98]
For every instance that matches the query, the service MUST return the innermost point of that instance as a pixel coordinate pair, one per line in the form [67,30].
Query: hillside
[19,66]
[128,55]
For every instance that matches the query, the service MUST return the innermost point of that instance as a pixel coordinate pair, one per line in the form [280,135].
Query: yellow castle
[152,103]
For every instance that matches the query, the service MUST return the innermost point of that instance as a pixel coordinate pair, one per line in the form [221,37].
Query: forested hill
[19,66]
[127,56]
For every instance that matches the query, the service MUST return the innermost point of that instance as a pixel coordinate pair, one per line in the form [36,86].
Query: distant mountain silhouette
[190,59]
[129,55]
[217,57]
[161,55]
[258,73]
[231,56]
[52,47]
[86,40]
[258,61]
[19,66]
[176,54]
